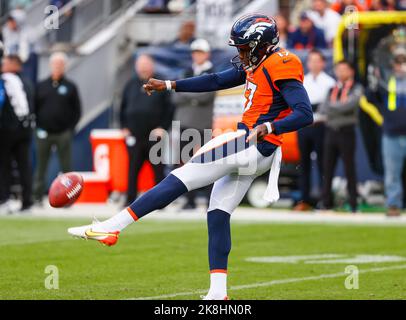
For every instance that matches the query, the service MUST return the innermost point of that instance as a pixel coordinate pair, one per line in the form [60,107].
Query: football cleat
[95,232]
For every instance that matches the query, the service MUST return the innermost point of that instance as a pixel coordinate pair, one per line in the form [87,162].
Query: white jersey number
[249,94]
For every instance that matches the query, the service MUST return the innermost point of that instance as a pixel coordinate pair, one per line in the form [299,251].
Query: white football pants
[228,163]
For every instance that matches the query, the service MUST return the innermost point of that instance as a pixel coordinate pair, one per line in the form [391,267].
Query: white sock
[119,221]
[218,285]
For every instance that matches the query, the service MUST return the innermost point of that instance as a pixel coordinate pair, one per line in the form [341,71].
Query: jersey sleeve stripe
[268,77]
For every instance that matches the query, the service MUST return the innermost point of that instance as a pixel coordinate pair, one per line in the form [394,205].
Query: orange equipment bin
[117,155]
[95,188]
[118,160]
[110,165]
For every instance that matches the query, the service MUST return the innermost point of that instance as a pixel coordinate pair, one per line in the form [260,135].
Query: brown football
[65,189]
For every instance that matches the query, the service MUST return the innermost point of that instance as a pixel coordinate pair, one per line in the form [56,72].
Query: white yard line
[271,283]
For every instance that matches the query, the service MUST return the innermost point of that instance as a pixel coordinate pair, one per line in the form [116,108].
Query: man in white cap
[195,110]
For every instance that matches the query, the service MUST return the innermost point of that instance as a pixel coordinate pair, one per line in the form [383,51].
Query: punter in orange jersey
[276,103]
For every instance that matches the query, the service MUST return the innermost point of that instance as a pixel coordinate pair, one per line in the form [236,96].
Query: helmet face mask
[255,53]
[256,35]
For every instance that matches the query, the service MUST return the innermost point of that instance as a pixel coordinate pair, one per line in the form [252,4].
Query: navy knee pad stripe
[218,223]
[159,196]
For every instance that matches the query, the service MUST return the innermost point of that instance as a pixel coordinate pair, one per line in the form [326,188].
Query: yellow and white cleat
[95,232]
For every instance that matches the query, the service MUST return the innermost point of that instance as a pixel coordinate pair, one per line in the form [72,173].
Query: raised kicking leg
[160,196]
[211,164]
[216,159]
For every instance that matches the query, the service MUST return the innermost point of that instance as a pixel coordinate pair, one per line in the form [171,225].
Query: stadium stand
[116,31]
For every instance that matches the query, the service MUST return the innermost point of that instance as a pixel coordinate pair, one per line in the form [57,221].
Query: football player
[276,103]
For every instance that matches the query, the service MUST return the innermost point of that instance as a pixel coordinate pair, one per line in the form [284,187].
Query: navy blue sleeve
[296,97]
[212,82]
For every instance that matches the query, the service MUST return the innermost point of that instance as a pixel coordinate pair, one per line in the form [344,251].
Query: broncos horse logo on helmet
[256,32]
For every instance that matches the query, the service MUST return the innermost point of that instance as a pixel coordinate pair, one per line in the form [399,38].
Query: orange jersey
[264,101]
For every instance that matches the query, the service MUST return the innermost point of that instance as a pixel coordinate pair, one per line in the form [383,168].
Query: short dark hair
[399,59]
[318,52]
[11,18]
[348,63]
[14,58]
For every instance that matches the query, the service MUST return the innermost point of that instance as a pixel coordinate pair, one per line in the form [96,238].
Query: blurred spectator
[178,6]
[16,122]
[64,33]
[282,24]
[195,110]
[19,14]
[156,6]
[13,64]
[15,38]
[375,5]
[21,4]
[394,132]
[341,5]
[17,42]
[379,5]
[186,36]
[340,109]
[58,110]
[307,36]
[140,116]
[317,84]
[400,4]
[387,5]
[325,18]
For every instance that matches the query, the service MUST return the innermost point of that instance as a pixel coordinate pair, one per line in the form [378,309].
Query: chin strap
[253,67]
[236,62]
[271,49]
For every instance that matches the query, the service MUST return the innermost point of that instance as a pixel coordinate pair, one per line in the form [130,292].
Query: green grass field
[166,259]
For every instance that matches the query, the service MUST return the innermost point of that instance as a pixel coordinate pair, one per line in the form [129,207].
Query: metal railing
[239,5]
[89,16]
[4,8]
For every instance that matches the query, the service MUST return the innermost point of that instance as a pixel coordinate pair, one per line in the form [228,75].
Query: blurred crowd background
[72,66]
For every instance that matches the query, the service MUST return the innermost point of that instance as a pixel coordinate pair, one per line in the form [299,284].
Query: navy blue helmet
[256,32]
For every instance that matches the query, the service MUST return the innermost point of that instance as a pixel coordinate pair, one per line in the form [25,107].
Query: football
[65,189]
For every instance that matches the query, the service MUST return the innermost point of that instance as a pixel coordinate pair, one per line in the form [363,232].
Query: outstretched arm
[205,83]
